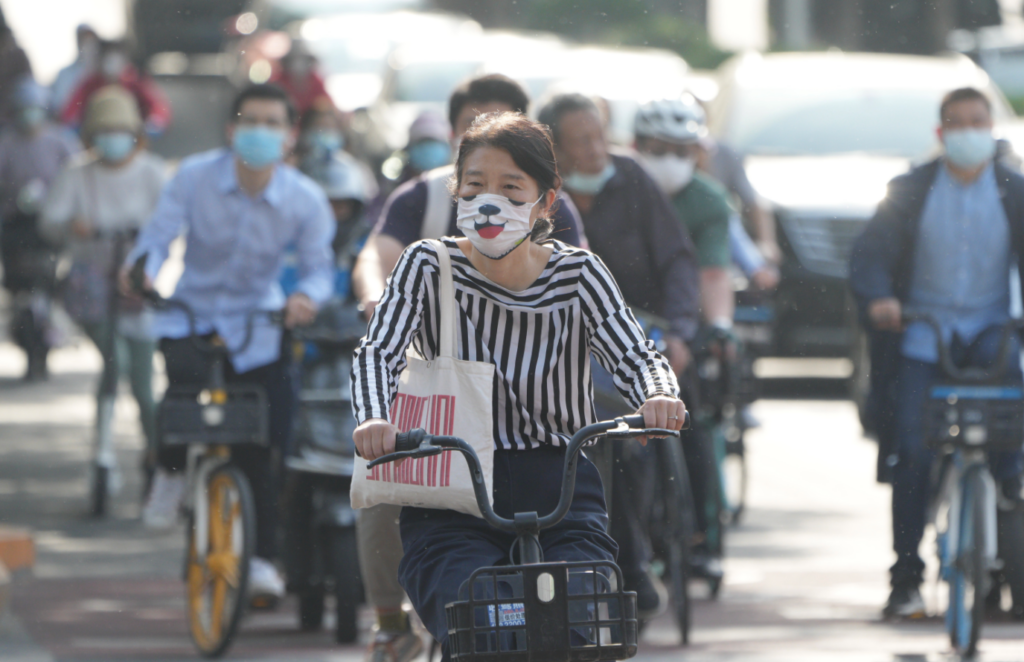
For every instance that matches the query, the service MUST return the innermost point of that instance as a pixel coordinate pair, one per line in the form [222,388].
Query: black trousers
[262,465]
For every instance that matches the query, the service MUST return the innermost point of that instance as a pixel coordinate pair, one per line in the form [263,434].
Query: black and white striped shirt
[539,339]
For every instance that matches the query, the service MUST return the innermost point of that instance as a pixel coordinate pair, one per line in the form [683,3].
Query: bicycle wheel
[678,532]
[218,576]
[1011,552]
[716,500]
[969,585]
[347,584]
[734,475]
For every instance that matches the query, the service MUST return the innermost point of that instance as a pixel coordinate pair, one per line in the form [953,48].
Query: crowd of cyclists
[291,215]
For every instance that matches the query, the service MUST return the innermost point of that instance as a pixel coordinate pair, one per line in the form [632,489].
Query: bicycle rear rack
[544,612]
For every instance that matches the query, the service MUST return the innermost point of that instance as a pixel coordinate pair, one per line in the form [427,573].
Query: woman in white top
[95,207]
[536,309]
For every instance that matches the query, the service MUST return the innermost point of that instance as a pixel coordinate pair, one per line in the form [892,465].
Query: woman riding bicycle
[536,309]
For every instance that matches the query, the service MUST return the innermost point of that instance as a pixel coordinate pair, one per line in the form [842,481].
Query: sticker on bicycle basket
[509,615]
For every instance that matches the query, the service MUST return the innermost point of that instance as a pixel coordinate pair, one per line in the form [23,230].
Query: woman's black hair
[529,145]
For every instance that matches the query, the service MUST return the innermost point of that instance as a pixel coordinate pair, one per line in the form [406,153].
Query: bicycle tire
[972,570]
[347,584]
[1011,551]
[715,503]
[734,470]
[679,514]
[221,572]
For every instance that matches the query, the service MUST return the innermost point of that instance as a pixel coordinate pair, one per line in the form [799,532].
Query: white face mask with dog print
[494,224]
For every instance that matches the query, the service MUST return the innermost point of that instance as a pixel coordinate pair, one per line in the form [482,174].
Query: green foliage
[625,23]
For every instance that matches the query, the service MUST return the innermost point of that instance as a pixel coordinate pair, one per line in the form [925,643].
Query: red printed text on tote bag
[435,414]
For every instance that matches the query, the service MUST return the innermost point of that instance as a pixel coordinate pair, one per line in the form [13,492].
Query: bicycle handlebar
[137,281]
[946,361]
[417,443]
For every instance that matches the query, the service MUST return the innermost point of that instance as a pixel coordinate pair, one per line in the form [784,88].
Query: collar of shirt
[273,192]
[985,179]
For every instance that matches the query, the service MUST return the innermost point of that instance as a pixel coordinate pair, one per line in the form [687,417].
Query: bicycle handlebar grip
[409,441]
[637,421]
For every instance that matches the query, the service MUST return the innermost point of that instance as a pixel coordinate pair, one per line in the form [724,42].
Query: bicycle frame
[571,611]
[969,412]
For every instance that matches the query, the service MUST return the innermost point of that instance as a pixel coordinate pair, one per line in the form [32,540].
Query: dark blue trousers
[910,488]
[443,547]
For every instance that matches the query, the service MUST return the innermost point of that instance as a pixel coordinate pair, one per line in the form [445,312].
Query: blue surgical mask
[114,146]
[324,143]
[969,148]
[577,182]
[429,154]
[258,146]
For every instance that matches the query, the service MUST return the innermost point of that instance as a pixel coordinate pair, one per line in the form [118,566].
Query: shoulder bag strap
[438,212]
[446,299]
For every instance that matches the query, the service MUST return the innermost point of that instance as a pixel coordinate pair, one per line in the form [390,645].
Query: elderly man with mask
[942,242]
[241,210]
[631,225]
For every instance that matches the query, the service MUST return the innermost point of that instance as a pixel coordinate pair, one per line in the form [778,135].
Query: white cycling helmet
[679,120]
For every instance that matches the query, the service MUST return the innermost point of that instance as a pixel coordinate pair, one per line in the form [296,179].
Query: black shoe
[651,595]
[905,602]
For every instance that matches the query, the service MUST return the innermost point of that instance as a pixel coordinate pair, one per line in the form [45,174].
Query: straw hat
[111,108]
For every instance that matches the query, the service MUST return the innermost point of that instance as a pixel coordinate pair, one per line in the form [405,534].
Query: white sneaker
[265,584]
[164,502]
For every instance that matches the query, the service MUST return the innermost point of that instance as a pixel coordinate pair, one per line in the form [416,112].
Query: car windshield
[426,82]
[834,121]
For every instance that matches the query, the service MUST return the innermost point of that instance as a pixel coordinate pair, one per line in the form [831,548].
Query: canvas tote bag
[444,396]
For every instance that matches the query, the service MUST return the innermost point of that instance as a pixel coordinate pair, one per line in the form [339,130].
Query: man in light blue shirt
[240,209]
[942,243]
[961,263]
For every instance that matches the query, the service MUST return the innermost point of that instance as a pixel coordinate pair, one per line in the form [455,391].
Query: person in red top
[116,68]
[298,76]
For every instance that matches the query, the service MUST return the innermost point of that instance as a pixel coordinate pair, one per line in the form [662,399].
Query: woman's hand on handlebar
[662,411]
[374,437]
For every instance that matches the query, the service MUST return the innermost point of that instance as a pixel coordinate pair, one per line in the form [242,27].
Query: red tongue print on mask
[490,231]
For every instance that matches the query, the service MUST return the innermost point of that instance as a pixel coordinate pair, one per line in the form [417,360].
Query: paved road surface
[805,573]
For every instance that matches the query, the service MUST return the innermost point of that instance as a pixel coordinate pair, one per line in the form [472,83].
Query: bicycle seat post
[528,536]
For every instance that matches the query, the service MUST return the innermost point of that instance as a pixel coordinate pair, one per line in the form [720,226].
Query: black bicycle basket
[975,416]
[545,612]
[185,416]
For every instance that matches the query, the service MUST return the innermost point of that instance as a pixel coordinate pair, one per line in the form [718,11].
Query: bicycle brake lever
[424,450]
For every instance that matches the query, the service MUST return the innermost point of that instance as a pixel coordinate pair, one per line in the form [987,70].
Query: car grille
[823,245]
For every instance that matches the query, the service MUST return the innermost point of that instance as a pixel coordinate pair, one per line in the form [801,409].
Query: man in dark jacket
[941,243]
[633,227]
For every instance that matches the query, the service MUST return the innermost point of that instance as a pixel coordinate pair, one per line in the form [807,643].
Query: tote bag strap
[446,299]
